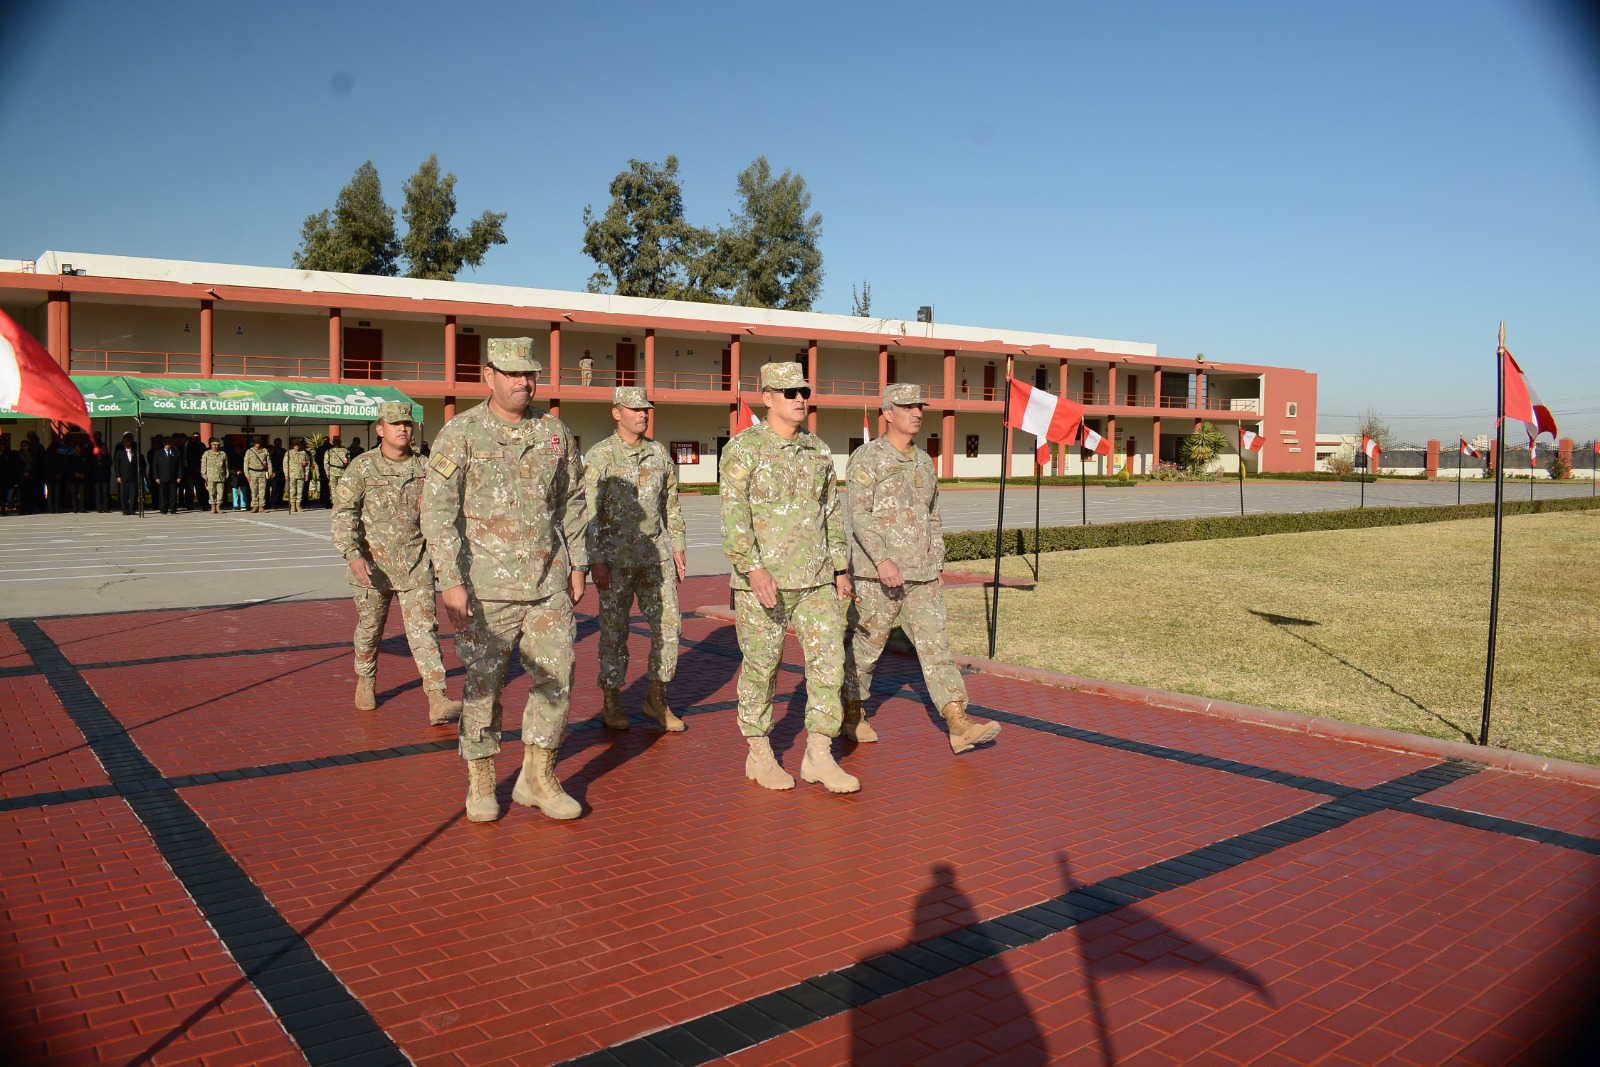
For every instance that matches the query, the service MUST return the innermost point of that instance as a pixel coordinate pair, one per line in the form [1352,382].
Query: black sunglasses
[801,391]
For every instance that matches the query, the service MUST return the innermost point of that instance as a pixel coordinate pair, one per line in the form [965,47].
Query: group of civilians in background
[79,475]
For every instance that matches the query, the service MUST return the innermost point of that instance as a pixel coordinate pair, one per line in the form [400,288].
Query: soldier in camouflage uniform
[504,515]
[214,470]
[896,557]
[257,469]
[377,527]
[784,534]
[636,546]
[296,469]
[334,462]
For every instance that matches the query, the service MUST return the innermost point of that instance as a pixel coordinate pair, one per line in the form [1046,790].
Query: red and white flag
[1046,416]
[1093,442]
[1522,401]
[32,382]
[1370,447]
[1250,439]
[1468,449]
[746,419]
[866,430]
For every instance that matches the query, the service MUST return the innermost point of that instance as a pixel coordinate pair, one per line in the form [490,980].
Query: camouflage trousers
[258,489]
[656,585]
[219,493]
[818,623]
[918,609]
[296,492]
[422,631]
[333,485]
[543,632]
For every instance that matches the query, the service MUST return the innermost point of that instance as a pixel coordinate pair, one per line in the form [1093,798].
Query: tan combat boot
[854,725]
[966,732]
[818,766]
[366,695]
[611,713]
[537,786]
[655,707]
[762,768]
[481,803]
[441,709]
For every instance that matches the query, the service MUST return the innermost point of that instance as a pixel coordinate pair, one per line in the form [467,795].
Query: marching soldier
[783,533]
[296,469]
[896,557]
[377,527]
[636,548]
[257,469]
[214,471]
[505,517]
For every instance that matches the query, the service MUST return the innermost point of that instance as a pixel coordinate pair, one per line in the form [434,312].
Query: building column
[335,342]
[1155,440]
[1564,452]
[883,383]
[208,353]
[555,406]
[450,349]
[947,445]
[1431,464]
[1200,389]
[733,381]
[1111,385]
[58,328]
[555,359]
[650,362]
[449,408]
[1111,435]
[816,381]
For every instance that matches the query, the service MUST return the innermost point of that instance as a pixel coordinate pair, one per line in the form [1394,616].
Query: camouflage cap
[630,396]
[513,354]
[904,395]
[392,411]
[785,375]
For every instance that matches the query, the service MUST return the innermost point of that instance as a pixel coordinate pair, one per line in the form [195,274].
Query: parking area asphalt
[210,857]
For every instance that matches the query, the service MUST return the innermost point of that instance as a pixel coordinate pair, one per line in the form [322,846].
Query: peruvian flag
[746,419]
[866,431]
[32,382]
[1370,447]
[1522,402]
[1047,417]
[1469,450]
[1093,442]
[1250,439]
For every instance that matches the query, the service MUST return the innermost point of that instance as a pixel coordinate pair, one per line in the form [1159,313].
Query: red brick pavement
[686,892]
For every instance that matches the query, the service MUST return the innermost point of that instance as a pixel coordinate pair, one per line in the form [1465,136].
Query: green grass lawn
[1386,626]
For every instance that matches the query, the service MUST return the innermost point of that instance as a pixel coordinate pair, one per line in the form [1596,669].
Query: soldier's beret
[513,354]
[785,375]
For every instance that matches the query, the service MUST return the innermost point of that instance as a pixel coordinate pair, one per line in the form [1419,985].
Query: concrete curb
[1293,722]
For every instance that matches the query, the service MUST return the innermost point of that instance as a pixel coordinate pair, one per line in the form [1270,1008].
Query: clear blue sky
[1362,189]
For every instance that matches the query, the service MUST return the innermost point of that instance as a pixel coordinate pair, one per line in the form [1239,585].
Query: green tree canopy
[642,244]
[358,237]
[771,256]
[433,247]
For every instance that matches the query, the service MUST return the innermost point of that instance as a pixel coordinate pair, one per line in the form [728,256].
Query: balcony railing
[601,379]
[187,364]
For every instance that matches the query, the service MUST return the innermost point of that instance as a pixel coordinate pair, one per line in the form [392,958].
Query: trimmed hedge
[979,544]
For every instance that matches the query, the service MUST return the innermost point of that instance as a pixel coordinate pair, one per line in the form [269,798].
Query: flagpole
[1458,469]
[1038,478]
[1241,471]
[1000,510]
[1361,475]
[1499,515]
[1083,482]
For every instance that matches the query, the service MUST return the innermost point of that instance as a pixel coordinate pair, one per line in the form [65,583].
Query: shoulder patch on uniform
[735,470]
[862,475]
[442,466]
[346,490]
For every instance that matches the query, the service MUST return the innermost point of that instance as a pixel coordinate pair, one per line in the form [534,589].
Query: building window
[686,452]
[1291,409]
[972,446]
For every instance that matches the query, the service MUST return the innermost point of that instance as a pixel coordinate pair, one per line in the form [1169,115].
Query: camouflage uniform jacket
[633,501]
[892,498]
[336,458]
[504,506]
[257,460]
[780,509]
[297,465]
[377,515]
[214,466]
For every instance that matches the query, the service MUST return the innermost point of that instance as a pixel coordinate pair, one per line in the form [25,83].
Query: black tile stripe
[753,1022]
[1495,824]
[18,671]
[330,1025]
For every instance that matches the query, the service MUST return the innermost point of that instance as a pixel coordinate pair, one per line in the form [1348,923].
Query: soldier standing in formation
[336,460]
[636,547]
[896,557]
[784,535]
[296,469]
[214,472]
[377,527]
[504,517]
[257,469]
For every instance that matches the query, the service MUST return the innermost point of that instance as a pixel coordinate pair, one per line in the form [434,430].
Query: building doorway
[626,353]
[988,382]
[363,353]
[469,357]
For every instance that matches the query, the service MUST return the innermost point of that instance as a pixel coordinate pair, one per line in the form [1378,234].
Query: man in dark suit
[166,470]
[194,484]
[126,468]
